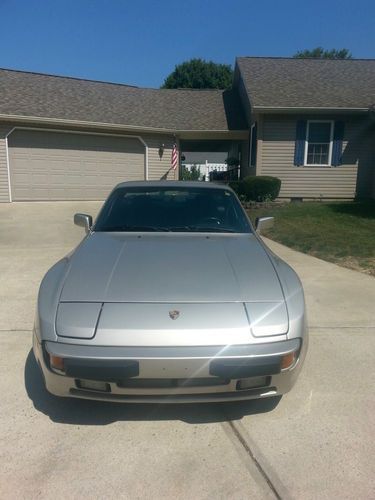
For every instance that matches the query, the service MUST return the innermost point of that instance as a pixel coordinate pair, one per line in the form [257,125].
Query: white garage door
[68,166]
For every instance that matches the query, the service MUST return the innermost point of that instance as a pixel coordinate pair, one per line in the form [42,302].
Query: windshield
[181,209]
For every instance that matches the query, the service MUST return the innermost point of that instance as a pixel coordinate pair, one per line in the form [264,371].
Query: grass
[339,232]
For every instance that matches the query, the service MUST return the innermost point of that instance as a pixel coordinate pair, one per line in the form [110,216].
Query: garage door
[68,166]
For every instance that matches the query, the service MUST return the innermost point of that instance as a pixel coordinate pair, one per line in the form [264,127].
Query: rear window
[178,209]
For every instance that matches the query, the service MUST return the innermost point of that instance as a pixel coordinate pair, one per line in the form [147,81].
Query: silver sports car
[170,297]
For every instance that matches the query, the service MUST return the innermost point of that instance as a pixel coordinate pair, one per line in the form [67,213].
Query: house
[312,124]
[66,138]
[309,122]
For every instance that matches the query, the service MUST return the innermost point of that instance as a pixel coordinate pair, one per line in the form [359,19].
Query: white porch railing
[206,168]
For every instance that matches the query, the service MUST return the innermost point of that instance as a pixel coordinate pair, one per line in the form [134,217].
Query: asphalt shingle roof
[303,83]
[64,98]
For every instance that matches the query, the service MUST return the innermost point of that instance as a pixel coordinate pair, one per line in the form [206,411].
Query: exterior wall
[246,169]
[158,168]
[4,186]
[276,142]
[238,83]
[372,194]
[366,164]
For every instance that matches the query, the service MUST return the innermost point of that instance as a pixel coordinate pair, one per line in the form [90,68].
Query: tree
[199,74]
[320,53]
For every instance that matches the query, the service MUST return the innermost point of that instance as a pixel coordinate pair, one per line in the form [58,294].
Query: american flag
[174,157]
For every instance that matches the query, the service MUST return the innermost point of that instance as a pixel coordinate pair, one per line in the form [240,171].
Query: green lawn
[340,232]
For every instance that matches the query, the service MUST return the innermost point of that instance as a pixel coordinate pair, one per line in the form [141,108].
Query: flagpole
[174,157]
[175,170]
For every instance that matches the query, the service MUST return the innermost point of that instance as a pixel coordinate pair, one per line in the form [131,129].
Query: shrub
[261,188]
[237,187]
[190,175]
[257,188]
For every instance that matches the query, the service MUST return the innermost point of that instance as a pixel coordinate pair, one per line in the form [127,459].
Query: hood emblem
[174,314]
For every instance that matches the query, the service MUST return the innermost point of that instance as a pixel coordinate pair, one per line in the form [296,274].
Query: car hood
[170,268]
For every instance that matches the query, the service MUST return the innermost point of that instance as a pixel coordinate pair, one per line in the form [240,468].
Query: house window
[318,145]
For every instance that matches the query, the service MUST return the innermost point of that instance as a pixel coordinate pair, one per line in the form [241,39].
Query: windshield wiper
[213,230]
[134,228]
[201,229]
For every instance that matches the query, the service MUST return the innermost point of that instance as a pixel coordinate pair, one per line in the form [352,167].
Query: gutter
[310,109]
[121,127]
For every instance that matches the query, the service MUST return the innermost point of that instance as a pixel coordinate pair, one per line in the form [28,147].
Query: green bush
[257,188]
[190,175]
[237,187]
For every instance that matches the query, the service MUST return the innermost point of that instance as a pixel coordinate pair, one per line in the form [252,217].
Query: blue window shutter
[338,137]
[299,149]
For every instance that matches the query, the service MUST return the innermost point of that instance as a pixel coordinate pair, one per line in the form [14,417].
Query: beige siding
[4,187]
[277,156]
[160,167]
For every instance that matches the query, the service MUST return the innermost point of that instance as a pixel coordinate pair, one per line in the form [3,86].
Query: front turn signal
[288,360]
[56,362]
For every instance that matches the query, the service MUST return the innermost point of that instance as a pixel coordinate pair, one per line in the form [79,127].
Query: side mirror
[263,223]
[83,220]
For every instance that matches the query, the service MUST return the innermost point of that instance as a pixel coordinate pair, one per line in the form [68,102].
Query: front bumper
[170,374]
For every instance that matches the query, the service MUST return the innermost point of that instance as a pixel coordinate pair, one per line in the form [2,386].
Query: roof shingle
[308,83]
[64,98]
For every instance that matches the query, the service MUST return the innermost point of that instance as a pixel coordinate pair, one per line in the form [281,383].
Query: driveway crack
[254,459]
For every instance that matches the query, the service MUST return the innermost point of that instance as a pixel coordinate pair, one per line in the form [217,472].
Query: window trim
[329,164]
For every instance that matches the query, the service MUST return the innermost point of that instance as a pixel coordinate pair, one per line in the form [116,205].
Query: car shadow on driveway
[85,412]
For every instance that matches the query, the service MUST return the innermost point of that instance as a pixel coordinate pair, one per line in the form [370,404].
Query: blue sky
[139,42]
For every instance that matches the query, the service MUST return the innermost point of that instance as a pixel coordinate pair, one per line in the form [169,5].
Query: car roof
[174,184]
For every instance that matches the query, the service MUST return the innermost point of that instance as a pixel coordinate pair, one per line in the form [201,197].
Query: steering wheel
[214,220]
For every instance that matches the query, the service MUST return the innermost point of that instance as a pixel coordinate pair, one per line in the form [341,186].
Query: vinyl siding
[4,187]
[277,157]
[159,168]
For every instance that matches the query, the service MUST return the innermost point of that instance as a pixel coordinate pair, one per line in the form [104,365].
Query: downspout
[146,157]
[8,164]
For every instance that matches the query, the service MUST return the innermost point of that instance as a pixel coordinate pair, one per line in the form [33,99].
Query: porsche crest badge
[174,314]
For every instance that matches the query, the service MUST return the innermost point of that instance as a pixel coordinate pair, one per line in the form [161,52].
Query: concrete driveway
[316,443]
